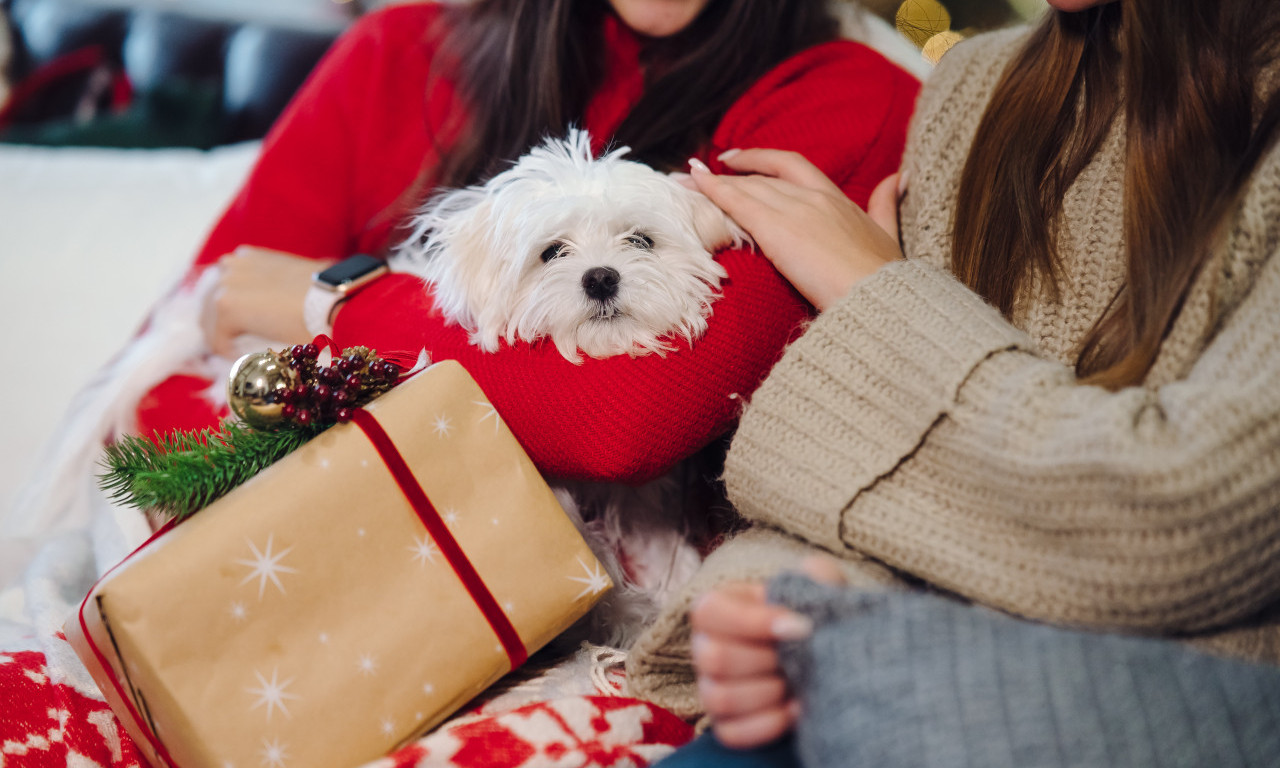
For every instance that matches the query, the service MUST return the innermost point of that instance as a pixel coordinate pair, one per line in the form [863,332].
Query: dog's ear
[714,228]
[451,249]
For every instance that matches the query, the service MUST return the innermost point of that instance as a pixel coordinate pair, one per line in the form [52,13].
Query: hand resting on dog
[819,239]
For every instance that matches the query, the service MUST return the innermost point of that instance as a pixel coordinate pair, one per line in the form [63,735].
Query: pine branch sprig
[181,473]
[285,398]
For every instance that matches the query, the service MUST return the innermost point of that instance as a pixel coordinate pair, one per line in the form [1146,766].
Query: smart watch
[332,286]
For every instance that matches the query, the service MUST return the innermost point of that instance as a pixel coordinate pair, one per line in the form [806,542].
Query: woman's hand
[735,657]
[260,292]
[817,238]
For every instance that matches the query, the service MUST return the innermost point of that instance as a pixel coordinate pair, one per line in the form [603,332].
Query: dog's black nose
[601,283]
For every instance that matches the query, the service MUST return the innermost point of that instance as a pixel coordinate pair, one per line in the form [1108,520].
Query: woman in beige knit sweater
[1064,402]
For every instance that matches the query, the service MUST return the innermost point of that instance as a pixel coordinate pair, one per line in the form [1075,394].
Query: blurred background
[127,125]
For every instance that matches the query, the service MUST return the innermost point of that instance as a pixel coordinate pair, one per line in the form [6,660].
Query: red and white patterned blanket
[46,721]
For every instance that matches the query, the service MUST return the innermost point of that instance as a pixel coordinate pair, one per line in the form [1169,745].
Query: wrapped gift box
[312,618]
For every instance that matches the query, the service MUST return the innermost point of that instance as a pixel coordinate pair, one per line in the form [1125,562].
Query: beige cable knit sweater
[912,427]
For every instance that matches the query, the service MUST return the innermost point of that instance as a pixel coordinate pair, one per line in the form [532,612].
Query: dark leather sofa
[151,77]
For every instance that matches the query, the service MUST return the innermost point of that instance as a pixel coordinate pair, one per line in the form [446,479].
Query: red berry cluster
[325,394]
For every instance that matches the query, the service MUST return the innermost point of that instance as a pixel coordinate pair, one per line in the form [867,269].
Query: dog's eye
[640,240]
[553,251]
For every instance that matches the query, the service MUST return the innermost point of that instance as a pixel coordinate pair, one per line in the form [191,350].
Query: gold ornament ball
[251,389]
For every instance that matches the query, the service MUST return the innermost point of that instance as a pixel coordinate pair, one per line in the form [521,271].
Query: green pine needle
[184,472]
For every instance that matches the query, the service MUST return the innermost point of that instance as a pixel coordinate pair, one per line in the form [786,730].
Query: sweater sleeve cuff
[857,394]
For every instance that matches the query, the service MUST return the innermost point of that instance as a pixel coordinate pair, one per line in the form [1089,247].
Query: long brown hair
[529,67]
[1188,70]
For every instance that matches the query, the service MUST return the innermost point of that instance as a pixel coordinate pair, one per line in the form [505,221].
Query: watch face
[351,269]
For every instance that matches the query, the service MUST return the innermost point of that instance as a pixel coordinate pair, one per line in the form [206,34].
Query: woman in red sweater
[421,96]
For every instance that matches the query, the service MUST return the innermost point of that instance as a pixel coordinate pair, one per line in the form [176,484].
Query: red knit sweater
[335,167]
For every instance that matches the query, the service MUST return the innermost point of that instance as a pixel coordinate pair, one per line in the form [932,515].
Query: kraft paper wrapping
[307,619]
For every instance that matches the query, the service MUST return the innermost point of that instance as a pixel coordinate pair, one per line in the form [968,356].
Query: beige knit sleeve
[913,425]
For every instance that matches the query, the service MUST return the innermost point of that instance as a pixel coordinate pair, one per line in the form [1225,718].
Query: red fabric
[599,731]
[334,169]
[176,403]
[46,723]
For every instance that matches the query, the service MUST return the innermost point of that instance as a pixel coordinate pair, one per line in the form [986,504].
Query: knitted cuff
[858,393]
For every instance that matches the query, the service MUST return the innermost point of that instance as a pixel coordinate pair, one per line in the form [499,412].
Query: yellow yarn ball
[939,44]
[920,20]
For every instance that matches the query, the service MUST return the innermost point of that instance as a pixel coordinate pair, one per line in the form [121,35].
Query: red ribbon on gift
[435,525]
[448,545]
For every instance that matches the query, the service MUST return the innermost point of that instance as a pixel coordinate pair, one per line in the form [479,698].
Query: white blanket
[91,240]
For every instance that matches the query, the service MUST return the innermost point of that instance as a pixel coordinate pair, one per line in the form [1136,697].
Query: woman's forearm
[914,425]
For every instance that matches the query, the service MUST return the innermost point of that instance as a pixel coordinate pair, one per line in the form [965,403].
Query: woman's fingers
[259,291]
[781,164]
[817,238]
[882,207]
[733,197]
[758,728]
[728,699]
[739,611]
[735,656]
[823,569]
[797,182]
[725,658]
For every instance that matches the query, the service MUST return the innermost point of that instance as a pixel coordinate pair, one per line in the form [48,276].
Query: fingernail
[792,626]
[903,178]
[697,166]
[696,643]
[728,153]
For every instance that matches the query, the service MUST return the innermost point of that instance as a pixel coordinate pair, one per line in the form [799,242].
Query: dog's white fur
[641,535]
[481,251]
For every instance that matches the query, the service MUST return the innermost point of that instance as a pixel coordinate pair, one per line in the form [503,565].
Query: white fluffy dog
[600,256]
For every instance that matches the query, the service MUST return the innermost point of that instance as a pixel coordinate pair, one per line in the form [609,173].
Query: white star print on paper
[489,412]
[274,754]
[596,581]
[266,566]
[450,515]
[425,550]
[387,726]
[238,611]
[443,426]
[272,693]
[428,688]
[367,664]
